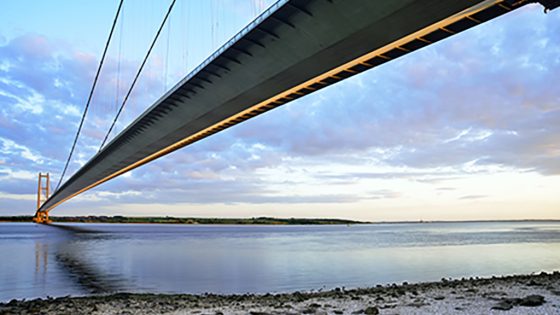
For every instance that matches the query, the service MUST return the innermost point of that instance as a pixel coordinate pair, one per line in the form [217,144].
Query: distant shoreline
[240,221]
[189,220]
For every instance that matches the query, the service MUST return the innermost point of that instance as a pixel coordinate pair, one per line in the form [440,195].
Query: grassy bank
[179,220]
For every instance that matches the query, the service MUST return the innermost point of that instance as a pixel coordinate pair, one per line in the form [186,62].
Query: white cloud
[8,174]
[27,197]
[5,66]
[11,148]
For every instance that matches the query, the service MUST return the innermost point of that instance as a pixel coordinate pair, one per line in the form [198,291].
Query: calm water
[36,260]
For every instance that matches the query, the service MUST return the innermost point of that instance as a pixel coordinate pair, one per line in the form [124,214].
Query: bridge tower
[43,192]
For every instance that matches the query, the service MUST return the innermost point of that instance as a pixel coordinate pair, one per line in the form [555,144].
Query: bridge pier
[42,217]
[43,191]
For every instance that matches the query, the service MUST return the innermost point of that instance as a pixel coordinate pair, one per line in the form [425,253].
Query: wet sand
[524,294]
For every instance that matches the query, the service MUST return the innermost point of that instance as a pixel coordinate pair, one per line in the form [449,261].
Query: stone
[417,304]
[13,302]
[512,301]
[502,306]
[371,310]
[532,300]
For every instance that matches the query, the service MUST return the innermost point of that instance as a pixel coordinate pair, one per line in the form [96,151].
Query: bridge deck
[294,49]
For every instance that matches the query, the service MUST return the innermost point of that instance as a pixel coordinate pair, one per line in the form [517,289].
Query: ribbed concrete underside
[291,53]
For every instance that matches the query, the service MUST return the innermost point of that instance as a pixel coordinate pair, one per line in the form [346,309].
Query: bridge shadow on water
[71,255]
[74,229]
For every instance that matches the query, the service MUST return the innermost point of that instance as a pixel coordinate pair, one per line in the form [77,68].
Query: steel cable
[137,74]
[90,96]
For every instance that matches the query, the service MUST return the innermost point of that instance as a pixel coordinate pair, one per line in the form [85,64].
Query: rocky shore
[526,294]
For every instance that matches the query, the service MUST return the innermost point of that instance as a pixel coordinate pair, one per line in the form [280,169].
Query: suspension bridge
[294,48]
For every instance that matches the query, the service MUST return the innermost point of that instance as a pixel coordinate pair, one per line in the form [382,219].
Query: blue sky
[468,128]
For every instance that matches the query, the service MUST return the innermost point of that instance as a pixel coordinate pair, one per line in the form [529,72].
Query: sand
[523,294]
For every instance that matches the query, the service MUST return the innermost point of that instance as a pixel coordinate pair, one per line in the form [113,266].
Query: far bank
[187,220]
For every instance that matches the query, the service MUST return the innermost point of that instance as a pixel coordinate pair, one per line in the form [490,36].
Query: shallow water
[40,261]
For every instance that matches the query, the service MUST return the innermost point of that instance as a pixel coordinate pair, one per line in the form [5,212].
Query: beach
[518,294]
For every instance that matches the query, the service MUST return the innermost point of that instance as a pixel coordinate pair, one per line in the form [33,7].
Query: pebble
[502,306]
[532,300]
[337,301]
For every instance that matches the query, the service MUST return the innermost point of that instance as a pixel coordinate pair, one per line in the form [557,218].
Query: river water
[40,261]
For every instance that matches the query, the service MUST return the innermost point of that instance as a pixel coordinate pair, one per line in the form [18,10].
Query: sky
[465,129]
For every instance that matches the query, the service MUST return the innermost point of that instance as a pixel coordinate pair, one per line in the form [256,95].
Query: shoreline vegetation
[517,294]
[188,220]
[239,221]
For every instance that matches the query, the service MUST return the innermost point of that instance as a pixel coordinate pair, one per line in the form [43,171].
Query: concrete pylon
[43,193]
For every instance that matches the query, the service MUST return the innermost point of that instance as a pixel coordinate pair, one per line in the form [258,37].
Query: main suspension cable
[90,96]
[138,74]
[118,79]
[166,72]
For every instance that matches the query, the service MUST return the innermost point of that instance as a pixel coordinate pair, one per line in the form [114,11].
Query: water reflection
[69,256]
[39,260]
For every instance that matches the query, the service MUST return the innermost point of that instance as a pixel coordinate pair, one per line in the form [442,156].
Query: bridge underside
[301,47]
